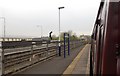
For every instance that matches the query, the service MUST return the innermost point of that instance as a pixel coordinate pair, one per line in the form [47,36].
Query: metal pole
[2,60]
[31,53]
[4,28]
[68,45]
[41,31]
[59,31]
[64,46]
[59,36]
[4,33]
[56,48]
[2,51]
[47,51]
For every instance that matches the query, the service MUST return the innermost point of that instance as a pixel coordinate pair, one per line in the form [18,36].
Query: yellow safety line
[88,63]
[71,67]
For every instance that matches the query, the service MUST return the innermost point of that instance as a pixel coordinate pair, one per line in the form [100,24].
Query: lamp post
[2,52]
[4,35]
[41,30]
[59,31]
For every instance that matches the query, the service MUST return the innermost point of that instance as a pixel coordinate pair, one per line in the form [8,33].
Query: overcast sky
[25,17]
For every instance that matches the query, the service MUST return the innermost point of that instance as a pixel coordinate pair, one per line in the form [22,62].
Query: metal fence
[15,39]
[18,55]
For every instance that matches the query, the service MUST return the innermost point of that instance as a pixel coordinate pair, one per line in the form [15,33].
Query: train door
[100,39]
[99,49]
[101,34]
[94,50]
[109,59]
[118,40]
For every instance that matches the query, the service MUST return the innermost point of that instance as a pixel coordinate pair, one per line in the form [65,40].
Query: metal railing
[18,55]
[15,39]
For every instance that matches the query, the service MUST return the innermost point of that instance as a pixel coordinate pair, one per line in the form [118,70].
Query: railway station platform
[76,63]
[80,65]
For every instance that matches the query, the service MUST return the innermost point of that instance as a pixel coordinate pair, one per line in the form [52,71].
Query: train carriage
[105,43]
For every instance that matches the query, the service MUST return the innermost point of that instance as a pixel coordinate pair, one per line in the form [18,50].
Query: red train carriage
[105,48]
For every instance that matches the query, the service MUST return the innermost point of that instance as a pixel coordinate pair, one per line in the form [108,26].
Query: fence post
[47,49]
[31,52]
[2,60]
[56,48]
[64,46]
[68,45]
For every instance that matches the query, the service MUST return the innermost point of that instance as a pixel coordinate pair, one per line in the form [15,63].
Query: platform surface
[57,65]
[80,65]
